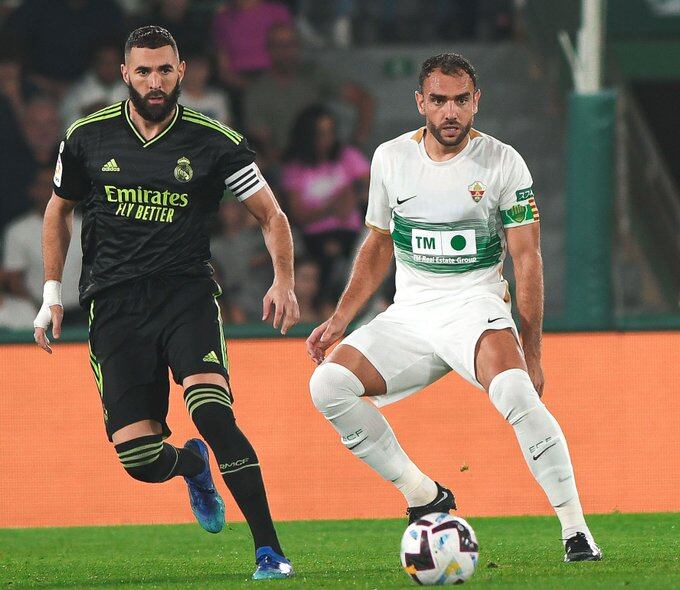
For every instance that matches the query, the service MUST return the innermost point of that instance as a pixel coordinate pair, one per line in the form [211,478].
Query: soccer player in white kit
[448,201]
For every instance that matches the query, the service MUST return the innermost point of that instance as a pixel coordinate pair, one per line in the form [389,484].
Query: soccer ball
[439,549]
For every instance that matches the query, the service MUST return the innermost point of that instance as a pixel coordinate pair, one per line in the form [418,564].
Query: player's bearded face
[155,105]
[450,132]
[449,103]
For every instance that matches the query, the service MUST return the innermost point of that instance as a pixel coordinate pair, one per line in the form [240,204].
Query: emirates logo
[477,189]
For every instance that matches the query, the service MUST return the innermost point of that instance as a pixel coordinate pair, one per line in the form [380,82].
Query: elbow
[276,218]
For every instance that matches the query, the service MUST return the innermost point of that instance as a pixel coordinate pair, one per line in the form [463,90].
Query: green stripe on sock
[198,404]
[129,452]
[140,463]
[192,405]
[208,396]
[153,455]
[191,395]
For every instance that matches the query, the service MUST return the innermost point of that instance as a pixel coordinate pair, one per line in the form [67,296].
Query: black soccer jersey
[146,203]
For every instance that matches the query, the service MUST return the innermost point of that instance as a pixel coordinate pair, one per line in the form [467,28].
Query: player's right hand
[323,337]
[51,312]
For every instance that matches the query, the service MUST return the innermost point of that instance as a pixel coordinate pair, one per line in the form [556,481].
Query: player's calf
[364,431]
[151,460]
[543,446]
[210,409]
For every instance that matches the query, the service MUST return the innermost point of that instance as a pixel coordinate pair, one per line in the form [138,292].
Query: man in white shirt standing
[449,201]
[100,86]
[22,260]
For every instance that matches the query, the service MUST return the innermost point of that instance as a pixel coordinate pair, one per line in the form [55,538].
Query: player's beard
[437,133]
[152,112]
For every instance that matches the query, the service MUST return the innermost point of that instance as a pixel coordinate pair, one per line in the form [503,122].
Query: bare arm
[279,241]
[368,272]
[525,248]
[56,237]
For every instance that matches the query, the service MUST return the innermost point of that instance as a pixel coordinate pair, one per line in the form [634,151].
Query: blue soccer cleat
[206,503]
[271,565]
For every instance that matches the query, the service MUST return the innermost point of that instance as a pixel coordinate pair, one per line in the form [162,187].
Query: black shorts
[140,329]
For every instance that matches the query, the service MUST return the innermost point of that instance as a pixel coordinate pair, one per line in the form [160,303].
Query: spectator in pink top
[326,187]
[240,36]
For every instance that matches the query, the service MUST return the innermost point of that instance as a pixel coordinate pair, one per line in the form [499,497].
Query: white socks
[365,432]
[542,442]
[336,393]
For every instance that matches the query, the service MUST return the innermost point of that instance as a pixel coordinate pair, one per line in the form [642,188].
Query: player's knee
[210,408]
[513,394]
[334,389]
[146,458]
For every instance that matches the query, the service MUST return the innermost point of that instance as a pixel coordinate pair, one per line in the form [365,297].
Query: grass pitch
[641,551]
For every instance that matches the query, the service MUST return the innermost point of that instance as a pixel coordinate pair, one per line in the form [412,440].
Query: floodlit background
[593,113]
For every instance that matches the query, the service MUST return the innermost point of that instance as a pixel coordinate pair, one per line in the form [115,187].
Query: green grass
[641,551]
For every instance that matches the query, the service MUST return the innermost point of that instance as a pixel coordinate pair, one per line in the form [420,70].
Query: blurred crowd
[60,60]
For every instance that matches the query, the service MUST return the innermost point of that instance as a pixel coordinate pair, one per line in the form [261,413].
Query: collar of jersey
[139,136]
[424,155]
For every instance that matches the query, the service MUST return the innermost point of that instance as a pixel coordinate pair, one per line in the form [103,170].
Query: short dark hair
[151,36]
[450,64]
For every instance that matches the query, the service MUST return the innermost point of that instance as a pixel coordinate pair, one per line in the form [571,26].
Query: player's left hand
[536,374]
[286,312]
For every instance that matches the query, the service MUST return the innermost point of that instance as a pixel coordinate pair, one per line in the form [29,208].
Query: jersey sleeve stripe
[110,109]
[197,115]
[93,120]
[235,137]
[380,230]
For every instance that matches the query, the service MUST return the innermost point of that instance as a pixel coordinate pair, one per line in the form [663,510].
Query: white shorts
[413,346]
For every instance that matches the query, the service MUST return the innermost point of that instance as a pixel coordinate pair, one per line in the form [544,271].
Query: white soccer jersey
[447,218]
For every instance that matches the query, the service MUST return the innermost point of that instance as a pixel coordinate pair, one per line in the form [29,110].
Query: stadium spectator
[297,85]
[242,263]
[307,275]
[23,262]
[58,36]
[28,142]
[240,36]
[197,94]
[101,85]
[326,185]
[15,165]
[41,127]
[15,313]
[188,21]
[14,85]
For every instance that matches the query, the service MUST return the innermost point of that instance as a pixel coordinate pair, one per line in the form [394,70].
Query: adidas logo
[111,166]
[211,357]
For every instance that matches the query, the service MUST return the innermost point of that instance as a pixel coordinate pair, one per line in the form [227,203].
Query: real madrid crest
[183,171]
[477,189]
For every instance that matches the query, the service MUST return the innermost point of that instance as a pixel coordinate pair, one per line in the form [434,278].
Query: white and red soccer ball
[439,549]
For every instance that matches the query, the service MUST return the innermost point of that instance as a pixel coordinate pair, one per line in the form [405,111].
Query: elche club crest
[477,189]
[183,171]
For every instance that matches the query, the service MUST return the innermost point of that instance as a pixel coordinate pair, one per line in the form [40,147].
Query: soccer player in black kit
[148,173]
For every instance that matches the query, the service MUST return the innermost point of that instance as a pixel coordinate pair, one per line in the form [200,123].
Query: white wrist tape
[51,296]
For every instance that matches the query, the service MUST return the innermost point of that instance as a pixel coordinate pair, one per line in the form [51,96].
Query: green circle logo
[458,242]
